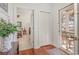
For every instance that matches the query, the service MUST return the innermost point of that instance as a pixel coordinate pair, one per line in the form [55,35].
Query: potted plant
[6,29]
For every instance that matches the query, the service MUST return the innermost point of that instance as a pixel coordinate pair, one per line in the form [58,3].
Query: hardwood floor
[44,50]
[27,52]
[41,51]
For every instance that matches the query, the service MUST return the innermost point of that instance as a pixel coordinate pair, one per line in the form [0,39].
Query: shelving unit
[67,29]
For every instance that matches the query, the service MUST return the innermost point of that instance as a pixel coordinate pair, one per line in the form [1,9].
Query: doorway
[24,19]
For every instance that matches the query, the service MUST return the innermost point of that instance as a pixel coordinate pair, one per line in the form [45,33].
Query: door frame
[32,25]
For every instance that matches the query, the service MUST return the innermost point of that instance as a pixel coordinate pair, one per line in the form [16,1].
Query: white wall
[55,22]
[36,7]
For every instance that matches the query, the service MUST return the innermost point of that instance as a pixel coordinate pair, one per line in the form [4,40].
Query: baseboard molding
[48,45]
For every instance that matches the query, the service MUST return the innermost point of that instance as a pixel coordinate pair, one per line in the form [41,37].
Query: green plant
[6,28]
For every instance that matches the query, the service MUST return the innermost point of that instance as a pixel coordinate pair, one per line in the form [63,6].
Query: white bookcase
[68,29]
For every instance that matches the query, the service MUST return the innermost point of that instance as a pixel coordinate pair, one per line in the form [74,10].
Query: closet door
[44,18]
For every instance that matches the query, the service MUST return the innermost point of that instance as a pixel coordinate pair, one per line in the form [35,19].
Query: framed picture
[19,24]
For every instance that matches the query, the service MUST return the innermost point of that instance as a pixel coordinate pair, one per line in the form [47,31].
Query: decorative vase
[5,44]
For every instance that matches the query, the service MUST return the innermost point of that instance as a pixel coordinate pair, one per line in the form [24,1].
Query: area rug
[56,51]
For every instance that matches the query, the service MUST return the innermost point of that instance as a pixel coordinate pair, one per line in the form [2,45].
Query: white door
[44,18]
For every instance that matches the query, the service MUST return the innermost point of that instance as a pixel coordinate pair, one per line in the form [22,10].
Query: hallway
[39,29]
